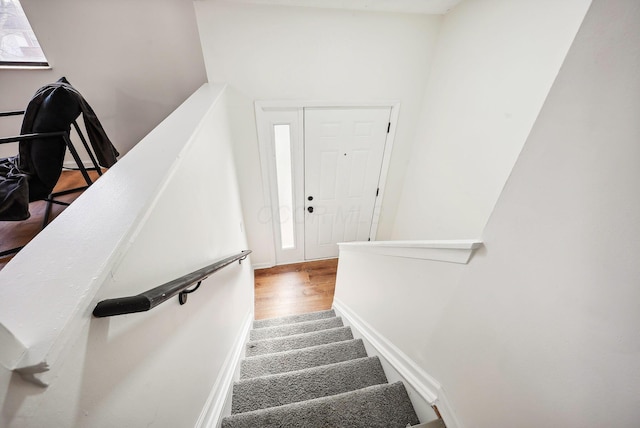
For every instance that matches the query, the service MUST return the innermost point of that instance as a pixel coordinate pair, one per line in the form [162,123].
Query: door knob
[310,209]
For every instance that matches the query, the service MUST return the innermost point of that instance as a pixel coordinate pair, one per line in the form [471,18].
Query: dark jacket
[33,174]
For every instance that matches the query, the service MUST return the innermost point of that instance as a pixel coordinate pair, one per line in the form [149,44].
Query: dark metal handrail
[153,297]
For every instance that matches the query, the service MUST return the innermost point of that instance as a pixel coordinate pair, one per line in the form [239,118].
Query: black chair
[45,135]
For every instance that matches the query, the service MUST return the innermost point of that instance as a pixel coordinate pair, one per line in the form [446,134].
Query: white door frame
[264,139]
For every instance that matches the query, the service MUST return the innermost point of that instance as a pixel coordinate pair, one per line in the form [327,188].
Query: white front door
[343,152]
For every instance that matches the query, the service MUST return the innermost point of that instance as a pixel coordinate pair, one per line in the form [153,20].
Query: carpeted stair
[308,371]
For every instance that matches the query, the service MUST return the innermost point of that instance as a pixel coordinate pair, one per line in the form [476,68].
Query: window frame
[31,38]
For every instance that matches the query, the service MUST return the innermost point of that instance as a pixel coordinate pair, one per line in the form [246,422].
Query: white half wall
[494,64]
[273,53]
[134,62]
[541,327]
[167,208]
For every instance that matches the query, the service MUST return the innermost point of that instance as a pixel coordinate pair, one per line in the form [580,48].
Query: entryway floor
[295,288]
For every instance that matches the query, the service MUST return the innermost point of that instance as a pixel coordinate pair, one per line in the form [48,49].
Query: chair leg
[6,253]
[51,201]
[47,214]
[96,167]
[76,157]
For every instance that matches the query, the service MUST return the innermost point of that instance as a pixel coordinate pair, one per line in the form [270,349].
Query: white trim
[294,104]
[446,411]
[262,265]
[264,140]
[267,265]
[213,411]
[454,251]
[67,165]
[427,388]
[26,67]
[440,7]
[261,107]
[13,350]
[384,170]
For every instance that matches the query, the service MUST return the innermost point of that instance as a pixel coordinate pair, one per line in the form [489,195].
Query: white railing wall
[168,207]
[394,294]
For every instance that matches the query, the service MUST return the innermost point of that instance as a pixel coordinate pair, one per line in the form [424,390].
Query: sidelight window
[284,174]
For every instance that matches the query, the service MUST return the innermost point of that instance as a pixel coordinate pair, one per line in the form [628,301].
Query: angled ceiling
[434,7]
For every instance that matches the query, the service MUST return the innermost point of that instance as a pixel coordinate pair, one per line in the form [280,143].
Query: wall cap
[450,250]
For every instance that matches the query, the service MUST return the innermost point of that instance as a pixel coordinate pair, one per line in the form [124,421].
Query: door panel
[344,148]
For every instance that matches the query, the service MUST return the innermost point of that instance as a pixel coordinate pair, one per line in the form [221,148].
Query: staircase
[308,371]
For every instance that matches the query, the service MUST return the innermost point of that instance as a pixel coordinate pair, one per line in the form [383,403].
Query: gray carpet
[296,328]
[299,359]
[298,341]
[308,371]
[292,319]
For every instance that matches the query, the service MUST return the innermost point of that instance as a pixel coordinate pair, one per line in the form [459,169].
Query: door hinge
[377,192]
[389,127]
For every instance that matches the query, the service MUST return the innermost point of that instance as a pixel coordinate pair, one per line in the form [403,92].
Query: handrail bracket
[182,297]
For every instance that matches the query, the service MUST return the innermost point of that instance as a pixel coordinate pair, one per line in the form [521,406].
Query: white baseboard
[423,389]
[213,411]
[73,165]
[446,411]
[262,265]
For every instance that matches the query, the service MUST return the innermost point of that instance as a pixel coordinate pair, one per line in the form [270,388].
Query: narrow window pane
[284,175]
[18,43]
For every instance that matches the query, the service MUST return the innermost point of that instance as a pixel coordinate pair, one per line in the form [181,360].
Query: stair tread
[299,359]
[306,384]
[386,405]
[298,341]
[271,322]
[295,328]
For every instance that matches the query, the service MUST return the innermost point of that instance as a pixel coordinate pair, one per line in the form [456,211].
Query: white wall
[494,65]
[288,53]
[173,205]
[541,327]
[134,62]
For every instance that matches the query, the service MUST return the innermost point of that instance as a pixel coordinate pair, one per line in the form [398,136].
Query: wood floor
[295,289]
[19,233]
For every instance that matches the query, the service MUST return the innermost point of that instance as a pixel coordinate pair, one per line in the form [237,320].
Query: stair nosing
[260,363]
[302,323]
[309,348]
[293,336]
[308,369]
[313,401]
[266,320]
[377,376]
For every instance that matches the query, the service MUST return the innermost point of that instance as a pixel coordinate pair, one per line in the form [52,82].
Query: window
[282,139]
[18,43]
